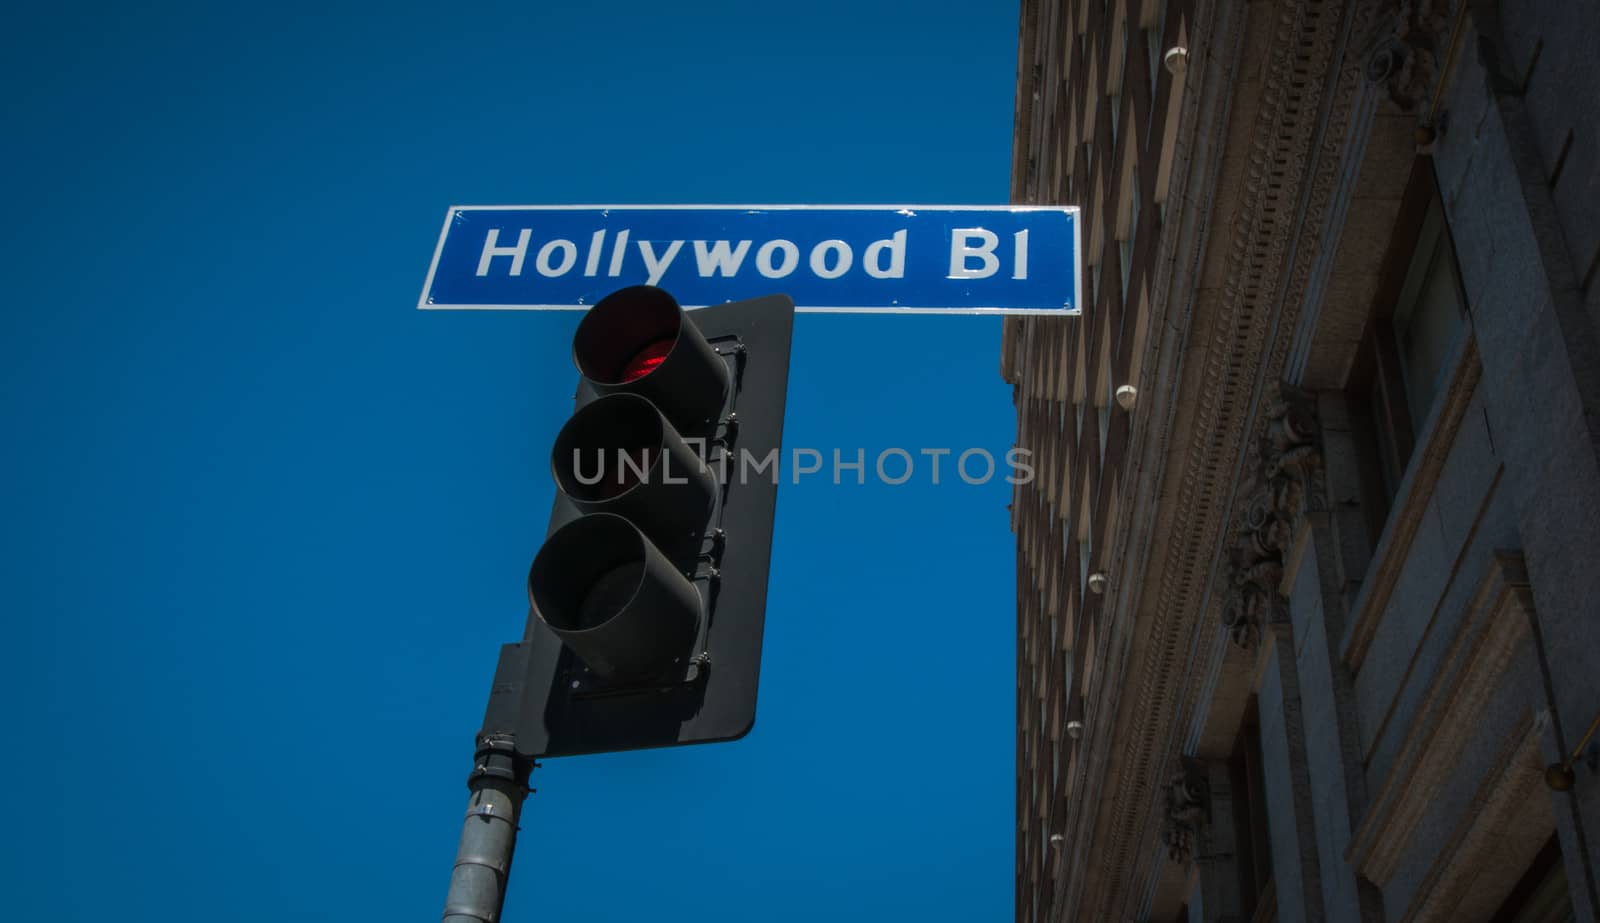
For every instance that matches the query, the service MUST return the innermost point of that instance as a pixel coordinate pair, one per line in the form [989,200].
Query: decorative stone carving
[1285,483]
[1185,805]
[1406,53]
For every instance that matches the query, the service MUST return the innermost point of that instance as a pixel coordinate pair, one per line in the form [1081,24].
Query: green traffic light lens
[609,593]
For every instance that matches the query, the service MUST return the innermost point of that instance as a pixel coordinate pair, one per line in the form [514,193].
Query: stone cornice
[1258,276]
[1332,146]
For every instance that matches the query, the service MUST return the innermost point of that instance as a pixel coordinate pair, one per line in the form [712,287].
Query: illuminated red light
[645,360]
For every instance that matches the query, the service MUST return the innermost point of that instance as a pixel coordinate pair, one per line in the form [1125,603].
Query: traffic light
[648,597]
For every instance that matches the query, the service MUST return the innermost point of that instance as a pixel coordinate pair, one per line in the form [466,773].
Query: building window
[1419,315]
[1542,896]
[1251,846]
[1429,314]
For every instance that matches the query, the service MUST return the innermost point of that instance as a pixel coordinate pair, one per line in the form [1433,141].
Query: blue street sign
[940,259]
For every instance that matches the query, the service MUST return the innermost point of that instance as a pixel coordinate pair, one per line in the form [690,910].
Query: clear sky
[264,525]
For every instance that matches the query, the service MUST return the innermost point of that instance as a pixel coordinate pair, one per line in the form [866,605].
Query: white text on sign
[973,255]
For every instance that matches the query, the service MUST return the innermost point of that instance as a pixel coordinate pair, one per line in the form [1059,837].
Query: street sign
[941,259]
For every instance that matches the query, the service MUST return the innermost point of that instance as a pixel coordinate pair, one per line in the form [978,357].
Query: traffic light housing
[648,597]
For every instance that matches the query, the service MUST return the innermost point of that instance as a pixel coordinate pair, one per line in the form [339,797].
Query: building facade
[1309,574]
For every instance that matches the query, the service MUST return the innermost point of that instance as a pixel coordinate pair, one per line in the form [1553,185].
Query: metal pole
[499,783]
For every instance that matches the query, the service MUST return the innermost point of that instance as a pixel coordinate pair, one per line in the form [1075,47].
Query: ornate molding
[1286,483]
[1246,216]
[1186,804]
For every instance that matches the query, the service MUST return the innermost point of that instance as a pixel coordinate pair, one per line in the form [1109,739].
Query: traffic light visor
[627,335]
[613,597]
[639,340]
[618,454]
[608,448]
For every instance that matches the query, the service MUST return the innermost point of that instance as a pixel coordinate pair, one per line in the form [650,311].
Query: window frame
[1384,423]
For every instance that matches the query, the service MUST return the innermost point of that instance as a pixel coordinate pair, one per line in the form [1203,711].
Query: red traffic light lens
[645,360]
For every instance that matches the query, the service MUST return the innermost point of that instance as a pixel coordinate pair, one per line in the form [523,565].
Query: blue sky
[266,525]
